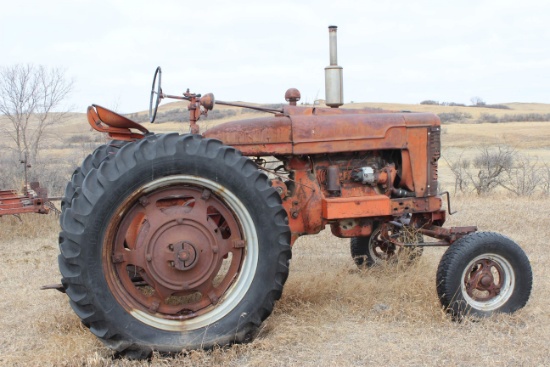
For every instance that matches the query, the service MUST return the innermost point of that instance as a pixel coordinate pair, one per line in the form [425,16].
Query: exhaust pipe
[334,90]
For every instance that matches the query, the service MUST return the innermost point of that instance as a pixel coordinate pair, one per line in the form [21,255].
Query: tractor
[172,242]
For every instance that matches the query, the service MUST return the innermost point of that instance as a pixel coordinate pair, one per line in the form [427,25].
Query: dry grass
[331,314]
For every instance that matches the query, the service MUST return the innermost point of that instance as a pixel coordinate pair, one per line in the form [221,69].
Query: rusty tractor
[173,242]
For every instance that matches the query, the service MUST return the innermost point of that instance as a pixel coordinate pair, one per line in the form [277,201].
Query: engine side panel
[316,134]
[256,137]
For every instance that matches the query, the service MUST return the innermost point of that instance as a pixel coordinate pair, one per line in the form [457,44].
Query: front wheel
[177,242]
[381,248]
[483,273]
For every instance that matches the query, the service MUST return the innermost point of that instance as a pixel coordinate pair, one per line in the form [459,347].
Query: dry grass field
[330,314]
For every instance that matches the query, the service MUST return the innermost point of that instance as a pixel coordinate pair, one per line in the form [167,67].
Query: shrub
[446,117]
[452,104]
[500,166]
[520,117]
[487,117]
[497,106]
[524,176]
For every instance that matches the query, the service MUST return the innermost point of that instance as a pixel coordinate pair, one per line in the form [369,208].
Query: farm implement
[33,200]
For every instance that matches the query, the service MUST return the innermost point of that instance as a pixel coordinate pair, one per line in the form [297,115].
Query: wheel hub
[484,280]
[187,256]
[181,264]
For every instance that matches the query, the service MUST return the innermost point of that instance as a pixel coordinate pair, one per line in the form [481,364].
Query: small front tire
[483,273]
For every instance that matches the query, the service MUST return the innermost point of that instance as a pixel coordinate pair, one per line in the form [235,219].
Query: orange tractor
[174,242]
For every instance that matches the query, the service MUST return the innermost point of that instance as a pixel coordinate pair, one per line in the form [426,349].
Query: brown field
[330,314]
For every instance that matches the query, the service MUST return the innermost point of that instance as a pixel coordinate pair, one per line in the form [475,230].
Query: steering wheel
[155,91]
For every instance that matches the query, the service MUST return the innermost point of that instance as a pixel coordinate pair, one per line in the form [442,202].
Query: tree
[500,166]
[477,101]
[30,98]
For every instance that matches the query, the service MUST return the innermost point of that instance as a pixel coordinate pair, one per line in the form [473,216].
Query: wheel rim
[380,247]
[488,282]
[182,252]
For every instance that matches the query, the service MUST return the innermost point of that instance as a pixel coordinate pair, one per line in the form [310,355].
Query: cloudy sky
[394,51]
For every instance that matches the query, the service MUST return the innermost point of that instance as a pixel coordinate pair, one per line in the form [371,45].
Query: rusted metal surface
[292,95]
[301,130]
[260,136]
[484,280]
[333,180]
[34,200]
[450,235]
[175,253]
[115,125]
[303,202]
[352,227]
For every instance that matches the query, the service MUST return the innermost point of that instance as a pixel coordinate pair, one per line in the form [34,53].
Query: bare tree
[30,98]
[487,171]
[546,178]
[491,164]
[459,168]
[524,176]
[477,101]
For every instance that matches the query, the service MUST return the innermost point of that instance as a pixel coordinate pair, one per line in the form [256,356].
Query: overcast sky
[394,51]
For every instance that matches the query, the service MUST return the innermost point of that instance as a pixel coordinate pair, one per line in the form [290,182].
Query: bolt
[213,297]
[118,258]
[238,243]
[205,194]
[149,257]
[179,221]
[183,255]
[154,305]
[143,201]
[294,214]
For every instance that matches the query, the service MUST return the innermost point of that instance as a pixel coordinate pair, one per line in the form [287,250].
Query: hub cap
[488,282]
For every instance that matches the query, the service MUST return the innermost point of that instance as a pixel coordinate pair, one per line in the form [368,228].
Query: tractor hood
[310,130]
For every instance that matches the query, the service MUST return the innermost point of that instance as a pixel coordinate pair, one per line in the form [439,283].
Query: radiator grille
[434,152]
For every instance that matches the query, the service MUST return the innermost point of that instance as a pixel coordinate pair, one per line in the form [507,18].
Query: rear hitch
[57,287]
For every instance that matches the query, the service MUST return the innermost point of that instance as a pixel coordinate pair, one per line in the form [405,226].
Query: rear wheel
[177,242]
[483,273]
[100,154]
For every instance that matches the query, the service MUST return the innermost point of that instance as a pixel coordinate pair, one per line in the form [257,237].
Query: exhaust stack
[334,91]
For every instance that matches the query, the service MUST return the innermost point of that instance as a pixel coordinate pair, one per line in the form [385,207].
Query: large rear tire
[483,273]
[177,242]
[94,160]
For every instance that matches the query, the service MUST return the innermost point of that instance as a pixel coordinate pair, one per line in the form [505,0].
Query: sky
[391,51]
